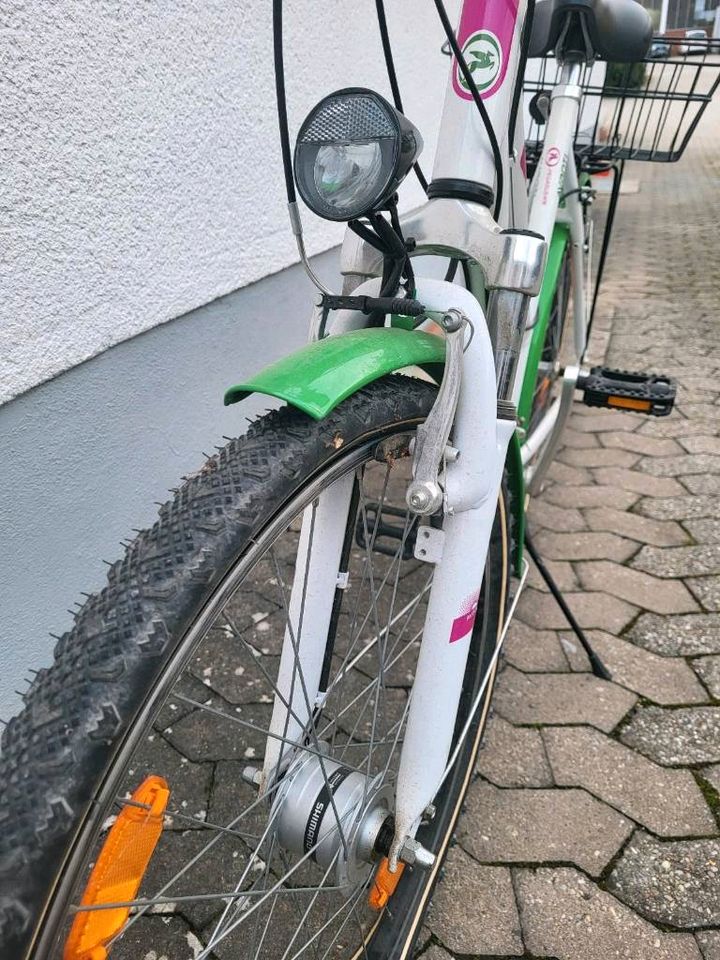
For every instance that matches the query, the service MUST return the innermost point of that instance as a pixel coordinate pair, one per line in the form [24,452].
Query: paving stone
[707,591]
[666,680]
[684,736]
[674,562]
[585,546]
[576,656]
[591,496]
[660,533]
[599,421]
[168,941]
[534,650]
[709,445]
[639,445]
[434,952]
[709,941]
[514,756]
[636,587]
[189,782]
[474,910]
[700,411]
[565,915]
[560,570]
[556,698]
[541,826]
[678,508]
[560,472]
[704,531]
[205,736]
[654,486]
[577,440]
[668,802]
[601,456]
[677,427]
[685,636]
[702,483]
[547,515]
[674,882]
[708,669]
[681,466]
[712,775]
[598,610]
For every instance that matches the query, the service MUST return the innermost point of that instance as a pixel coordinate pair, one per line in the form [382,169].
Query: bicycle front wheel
[172,670]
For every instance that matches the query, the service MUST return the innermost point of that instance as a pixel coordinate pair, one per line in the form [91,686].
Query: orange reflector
[384,884]
[118,872]
[629,403]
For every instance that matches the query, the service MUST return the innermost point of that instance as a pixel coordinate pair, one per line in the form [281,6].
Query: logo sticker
[462,624]
[553,155]
[484,57]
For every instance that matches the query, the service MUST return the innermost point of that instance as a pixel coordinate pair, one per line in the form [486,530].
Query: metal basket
[637,111]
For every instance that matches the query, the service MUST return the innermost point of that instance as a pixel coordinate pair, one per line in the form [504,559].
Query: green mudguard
[319,376]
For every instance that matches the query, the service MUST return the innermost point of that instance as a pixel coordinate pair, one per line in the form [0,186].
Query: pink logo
[485,36]
[462,624]
[553,156]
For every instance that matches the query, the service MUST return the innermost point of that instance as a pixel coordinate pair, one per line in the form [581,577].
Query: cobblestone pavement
[591,829]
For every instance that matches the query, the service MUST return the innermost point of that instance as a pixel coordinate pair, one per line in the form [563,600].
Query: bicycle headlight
[352,152]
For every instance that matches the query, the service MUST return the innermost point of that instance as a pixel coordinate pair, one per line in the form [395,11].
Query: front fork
[483,423]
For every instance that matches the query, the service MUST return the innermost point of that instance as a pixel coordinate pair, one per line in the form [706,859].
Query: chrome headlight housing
[352,152]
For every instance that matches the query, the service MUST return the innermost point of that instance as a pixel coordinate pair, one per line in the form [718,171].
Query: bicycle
[297,660]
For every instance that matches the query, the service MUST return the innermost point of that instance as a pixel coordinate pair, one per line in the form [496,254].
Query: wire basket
[635,111]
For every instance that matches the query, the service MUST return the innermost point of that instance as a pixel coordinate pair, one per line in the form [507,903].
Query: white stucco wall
[140,165]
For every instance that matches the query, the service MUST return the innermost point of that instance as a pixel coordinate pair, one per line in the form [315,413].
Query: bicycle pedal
[648,393]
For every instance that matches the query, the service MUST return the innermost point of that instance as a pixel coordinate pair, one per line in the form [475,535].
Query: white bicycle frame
[510,267]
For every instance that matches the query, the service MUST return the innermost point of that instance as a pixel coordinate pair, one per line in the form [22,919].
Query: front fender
[322,374]
[319,376]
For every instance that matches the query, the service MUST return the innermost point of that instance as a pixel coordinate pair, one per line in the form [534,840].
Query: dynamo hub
[317,794]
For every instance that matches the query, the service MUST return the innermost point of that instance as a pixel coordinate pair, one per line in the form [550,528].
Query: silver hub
[318,793]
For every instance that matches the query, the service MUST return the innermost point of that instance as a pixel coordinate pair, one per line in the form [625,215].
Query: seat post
[570,72]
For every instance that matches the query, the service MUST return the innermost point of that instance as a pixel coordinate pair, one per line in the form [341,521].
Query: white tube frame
[472,483]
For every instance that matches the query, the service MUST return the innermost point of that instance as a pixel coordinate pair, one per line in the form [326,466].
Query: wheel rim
[383,715]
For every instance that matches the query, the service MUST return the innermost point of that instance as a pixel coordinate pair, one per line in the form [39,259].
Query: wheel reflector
[384,884]
[118,872]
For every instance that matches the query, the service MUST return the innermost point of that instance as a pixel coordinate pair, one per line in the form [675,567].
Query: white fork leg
[444,650]
[309,608]
[472,486]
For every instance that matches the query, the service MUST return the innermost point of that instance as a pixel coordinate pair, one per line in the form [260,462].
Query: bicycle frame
[505,271]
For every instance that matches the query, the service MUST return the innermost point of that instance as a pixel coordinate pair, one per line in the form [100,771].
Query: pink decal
[485,38]
[552,157]
[462,624]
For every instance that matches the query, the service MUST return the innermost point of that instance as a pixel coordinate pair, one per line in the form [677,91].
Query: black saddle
[616,30]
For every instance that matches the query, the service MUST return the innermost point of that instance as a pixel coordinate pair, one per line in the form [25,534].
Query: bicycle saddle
[616,30]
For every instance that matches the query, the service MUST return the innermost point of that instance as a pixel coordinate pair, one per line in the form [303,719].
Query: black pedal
[384,535]
[647,393]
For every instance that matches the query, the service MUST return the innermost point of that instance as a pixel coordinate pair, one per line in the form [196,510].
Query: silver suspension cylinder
[508,310]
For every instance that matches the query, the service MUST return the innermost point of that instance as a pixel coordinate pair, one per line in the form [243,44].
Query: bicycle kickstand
[596,664]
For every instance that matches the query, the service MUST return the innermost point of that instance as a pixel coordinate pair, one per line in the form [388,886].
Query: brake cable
[392,77]
[482,110]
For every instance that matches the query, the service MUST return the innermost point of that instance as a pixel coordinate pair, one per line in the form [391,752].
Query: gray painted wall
[85,455]
[140,166]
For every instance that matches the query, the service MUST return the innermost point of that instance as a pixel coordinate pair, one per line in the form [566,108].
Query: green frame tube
[556,252]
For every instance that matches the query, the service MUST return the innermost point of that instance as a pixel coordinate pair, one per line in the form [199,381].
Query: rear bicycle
[647,110]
